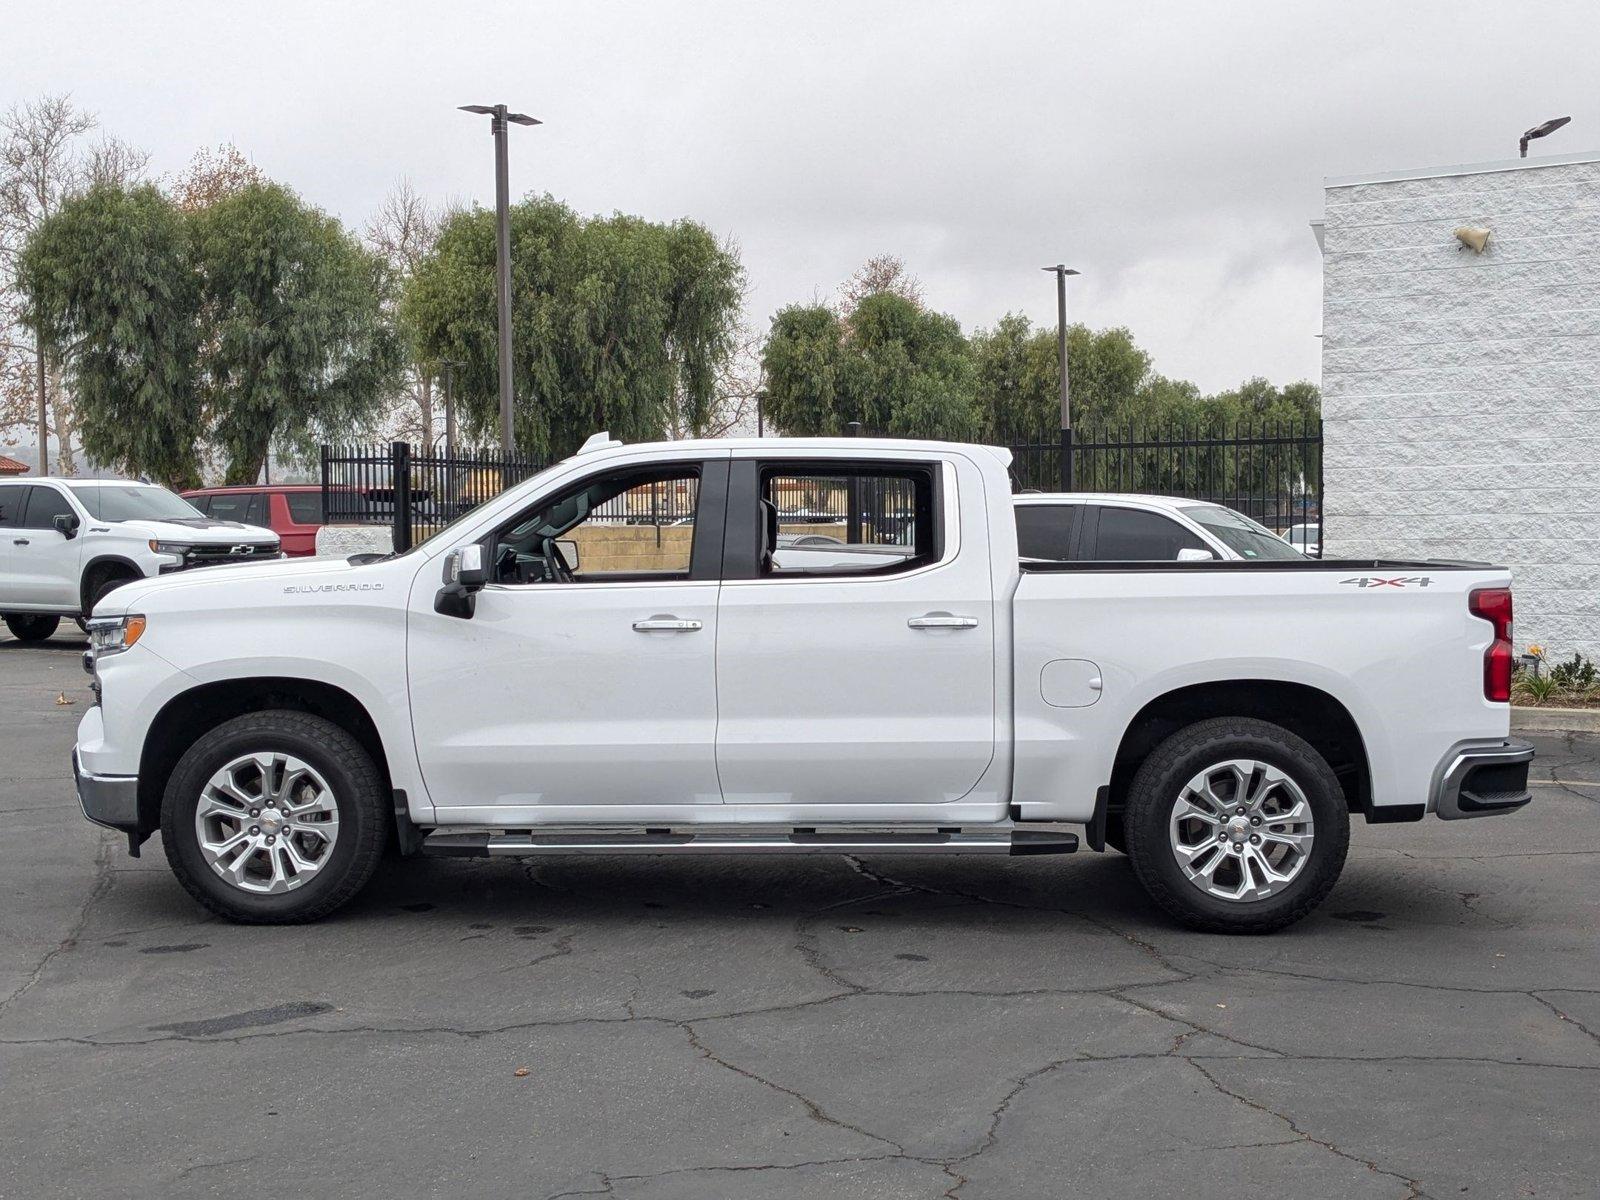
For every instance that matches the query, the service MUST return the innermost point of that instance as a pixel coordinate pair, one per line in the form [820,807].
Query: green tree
[296,345]
[891,365]
[617,323]
[250,322]
[114,295]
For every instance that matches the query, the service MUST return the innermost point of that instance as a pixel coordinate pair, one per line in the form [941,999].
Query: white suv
[65,543]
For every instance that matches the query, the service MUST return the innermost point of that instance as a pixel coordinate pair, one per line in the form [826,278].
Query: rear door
[44,561]
[13,498]
[868,682]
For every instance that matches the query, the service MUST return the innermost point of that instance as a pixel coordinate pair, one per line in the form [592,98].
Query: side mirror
[464,577]
[568,549]
[67,525]
[1195,554]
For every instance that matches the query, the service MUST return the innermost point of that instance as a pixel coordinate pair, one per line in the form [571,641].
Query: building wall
[1461,393]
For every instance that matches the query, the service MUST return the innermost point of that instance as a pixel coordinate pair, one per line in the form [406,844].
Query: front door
[586,678]
[856,658]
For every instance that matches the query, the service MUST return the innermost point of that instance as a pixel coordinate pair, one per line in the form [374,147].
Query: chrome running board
[495,843]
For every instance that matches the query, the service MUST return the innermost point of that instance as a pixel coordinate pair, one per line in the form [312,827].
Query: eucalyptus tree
[112,289]
[617,322]
[890,364]
[296,344]
[250,322]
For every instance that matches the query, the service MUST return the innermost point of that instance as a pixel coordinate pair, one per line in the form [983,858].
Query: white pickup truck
[65,543]
[612,658]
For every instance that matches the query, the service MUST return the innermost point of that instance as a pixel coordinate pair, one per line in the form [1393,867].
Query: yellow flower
[1536,651]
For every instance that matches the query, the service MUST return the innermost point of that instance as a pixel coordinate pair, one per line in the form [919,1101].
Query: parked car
[291,510]
[1220,720]
[1118,527]
[66,543]
[1305,538]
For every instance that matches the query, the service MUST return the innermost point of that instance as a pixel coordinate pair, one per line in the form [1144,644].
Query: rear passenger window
[1045,530]
[857,520]
[235,506]
[11,502]
[1131,535]
[305,508]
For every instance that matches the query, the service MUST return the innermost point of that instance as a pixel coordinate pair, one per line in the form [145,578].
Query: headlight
[178,548]
[113,635]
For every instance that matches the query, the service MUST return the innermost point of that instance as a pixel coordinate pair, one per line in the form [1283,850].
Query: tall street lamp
[499,117]
[1061,273]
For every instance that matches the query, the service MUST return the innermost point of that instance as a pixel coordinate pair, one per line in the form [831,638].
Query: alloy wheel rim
[267,822]
[1241,830]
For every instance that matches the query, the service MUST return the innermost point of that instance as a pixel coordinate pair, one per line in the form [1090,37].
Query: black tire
[1157,786]
[100,588]
[358,792]
[31,627]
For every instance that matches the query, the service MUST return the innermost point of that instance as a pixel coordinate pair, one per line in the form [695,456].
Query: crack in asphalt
[1413,1186]
[102,884]
[813,1109]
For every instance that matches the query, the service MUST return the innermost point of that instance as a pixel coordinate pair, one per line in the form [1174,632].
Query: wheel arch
[1310,713]
[100,567]
[189,715]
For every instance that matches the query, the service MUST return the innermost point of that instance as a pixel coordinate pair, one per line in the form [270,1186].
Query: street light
[1539,131]
[1061,272]
[499,115]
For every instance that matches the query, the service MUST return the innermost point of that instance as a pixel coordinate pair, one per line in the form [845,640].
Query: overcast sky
[1172,152]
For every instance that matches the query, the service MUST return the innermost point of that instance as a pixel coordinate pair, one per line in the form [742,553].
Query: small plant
[1577,675]
[1535,689]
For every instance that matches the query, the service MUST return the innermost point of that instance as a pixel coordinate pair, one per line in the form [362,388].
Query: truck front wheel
[274,817]
[1236,825]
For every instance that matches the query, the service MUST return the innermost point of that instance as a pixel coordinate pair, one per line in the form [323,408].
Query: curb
[1555,720]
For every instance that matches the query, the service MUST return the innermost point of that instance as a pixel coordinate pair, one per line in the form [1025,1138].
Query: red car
[293,511]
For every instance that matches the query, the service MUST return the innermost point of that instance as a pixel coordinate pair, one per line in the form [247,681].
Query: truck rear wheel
[1236,825]
[30,627]
[274,817]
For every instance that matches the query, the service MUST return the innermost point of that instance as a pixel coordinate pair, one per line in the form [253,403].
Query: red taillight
[1494,606]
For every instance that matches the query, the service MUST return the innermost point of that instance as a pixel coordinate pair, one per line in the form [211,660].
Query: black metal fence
[1271,472]
[413,491]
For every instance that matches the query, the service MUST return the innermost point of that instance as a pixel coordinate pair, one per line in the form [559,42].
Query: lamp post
[1061,272]
[1539,131]
[500,116]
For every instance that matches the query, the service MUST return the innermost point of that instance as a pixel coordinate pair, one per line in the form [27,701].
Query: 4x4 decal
[1398,581]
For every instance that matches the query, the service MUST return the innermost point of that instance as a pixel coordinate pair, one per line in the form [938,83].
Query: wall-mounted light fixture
[1473,237]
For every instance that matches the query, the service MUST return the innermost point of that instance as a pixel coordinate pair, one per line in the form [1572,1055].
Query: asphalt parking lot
[885,1028]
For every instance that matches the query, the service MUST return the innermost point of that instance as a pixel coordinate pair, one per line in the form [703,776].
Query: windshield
[1240,534]
[129,502]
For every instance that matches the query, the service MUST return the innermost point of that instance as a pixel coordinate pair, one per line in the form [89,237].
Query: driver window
[635,525]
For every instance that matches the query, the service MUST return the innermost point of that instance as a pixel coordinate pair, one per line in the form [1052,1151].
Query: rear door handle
[943,621]
[19,541]
[667,624]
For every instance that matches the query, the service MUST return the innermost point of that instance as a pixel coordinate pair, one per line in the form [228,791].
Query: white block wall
[1461,393]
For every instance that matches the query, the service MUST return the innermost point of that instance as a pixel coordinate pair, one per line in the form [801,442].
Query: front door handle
[19,541]
[667,624]
[942,621]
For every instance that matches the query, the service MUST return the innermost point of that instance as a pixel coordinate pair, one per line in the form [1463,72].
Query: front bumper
[1480,779]
[109,800]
